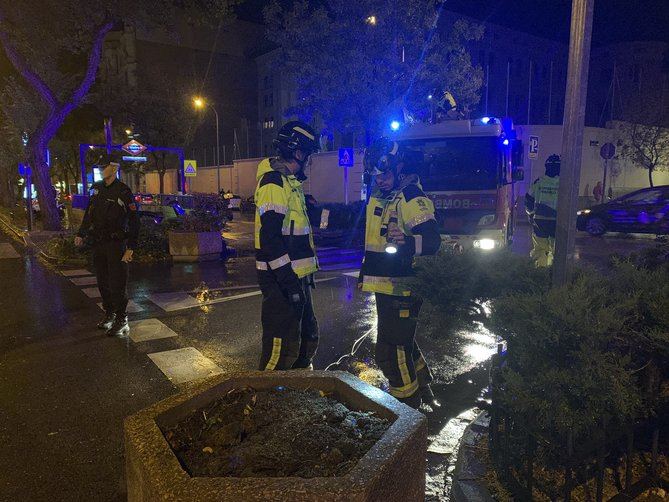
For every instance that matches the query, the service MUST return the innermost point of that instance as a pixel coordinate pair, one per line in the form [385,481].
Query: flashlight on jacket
[391,246]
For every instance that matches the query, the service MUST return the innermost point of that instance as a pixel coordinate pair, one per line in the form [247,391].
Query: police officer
[111,226]
[541,207]
[400,225]
[285,256]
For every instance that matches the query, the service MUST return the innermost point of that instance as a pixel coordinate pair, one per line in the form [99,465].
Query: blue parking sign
[346,157]
[533,147]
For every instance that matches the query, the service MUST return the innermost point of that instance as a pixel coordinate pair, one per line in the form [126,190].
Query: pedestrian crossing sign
[190,168]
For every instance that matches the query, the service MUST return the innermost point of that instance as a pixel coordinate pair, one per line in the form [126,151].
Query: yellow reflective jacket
[282,230]
[387,273]
[542,199]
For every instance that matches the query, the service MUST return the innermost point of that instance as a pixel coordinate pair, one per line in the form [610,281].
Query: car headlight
[485,244]
[582,212]
[488,219]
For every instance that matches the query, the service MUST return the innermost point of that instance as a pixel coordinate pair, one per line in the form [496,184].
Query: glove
[296,298]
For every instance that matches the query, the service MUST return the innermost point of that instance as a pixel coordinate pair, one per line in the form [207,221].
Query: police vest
[384,272]
[288,200]
[545,193]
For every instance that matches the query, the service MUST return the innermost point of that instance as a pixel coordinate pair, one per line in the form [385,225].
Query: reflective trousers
[543,242]
[397,352]
[289,337]
[112,276]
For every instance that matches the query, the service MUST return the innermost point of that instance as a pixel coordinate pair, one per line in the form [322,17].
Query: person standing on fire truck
[541,206]
[400,225]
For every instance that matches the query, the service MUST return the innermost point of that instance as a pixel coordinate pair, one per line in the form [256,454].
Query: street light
[199,103]
[371,20]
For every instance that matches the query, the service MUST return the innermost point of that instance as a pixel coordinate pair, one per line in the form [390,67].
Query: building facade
[214,63]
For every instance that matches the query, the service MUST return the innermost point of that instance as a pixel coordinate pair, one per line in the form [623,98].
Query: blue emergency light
[395,125]
[485,120]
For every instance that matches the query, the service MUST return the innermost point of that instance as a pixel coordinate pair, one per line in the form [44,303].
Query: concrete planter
[195,246]
[392,470]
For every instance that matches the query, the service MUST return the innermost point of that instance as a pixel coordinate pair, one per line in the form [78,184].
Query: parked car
[644,211]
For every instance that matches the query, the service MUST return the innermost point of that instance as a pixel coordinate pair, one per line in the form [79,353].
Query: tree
[164,116]
[352,62]
[647,146]
[646,137]
[56,46]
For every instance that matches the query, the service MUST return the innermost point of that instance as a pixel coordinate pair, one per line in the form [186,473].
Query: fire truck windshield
[463,163]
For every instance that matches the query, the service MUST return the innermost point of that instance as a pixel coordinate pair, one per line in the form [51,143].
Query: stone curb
[28,242]
[468,485]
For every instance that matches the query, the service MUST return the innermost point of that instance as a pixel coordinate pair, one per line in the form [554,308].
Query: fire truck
[468,168]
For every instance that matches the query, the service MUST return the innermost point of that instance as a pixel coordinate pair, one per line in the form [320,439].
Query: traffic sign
[134,147]
[533,147]
[190,168]
[346,157]
[608,151]
[134,158]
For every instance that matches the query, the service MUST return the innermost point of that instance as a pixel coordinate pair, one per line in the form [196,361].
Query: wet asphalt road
[65,387]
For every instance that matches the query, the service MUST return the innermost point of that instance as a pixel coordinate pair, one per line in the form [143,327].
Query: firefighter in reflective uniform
[400,225]
[541,207]
[285,256]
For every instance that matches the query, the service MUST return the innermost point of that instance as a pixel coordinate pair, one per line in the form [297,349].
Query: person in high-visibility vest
[285,256]
[400,225]
[541,206]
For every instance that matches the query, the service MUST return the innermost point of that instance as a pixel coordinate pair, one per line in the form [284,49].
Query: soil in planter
[277,433]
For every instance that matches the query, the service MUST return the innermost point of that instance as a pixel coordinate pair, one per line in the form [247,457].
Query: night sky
[615,20]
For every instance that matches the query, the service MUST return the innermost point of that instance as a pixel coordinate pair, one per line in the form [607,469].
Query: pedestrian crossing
[179,365]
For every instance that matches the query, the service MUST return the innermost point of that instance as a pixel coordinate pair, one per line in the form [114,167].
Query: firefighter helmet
[296,135]
[382,156]
[553,165]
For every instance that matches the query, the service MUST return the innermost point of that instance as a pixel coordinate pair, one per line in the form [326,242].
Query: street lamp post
[200,103]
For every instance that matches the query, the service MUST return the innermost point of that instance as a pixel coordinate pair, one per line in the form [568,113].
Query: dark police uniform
[111,225]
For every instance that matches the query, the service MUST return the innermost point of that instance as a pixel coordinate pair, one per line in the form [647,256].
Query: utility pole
[572,137]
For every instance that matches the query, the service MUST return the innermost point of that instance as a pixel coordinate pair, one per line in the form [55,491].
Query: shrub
[153,244]
[457,285]
[207,215]
[62,248]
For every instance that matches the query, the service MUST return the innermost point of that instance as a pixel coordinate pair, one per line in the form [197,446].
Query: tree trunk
[7,197]
[161,174]
[650,177]
[46,194]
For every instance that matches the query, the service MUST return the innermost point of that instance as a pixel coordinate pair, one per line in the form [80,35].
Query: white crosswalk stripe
[149,329]
[185,365]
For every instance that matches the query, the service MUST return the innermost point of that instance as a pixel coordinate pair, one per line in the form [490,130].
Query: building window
[265,82]
[264,100]
[271,100]
[637,74]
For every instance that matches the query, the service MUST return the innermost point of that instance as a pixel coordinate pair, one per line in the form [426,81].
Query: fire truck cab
[468,168]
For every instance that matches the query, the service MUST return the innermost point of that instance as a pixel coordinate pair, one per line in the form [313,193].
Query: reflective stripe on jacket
[542,198]
[280,193]
[388,273]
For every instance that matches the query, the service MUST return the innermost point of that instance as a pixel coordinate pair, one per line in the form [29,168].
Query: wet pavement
[66,387]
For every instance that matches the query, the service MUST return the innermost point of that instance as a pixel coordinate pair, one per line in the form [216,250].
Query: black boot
[427,396]
[107,322]
[120,327]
